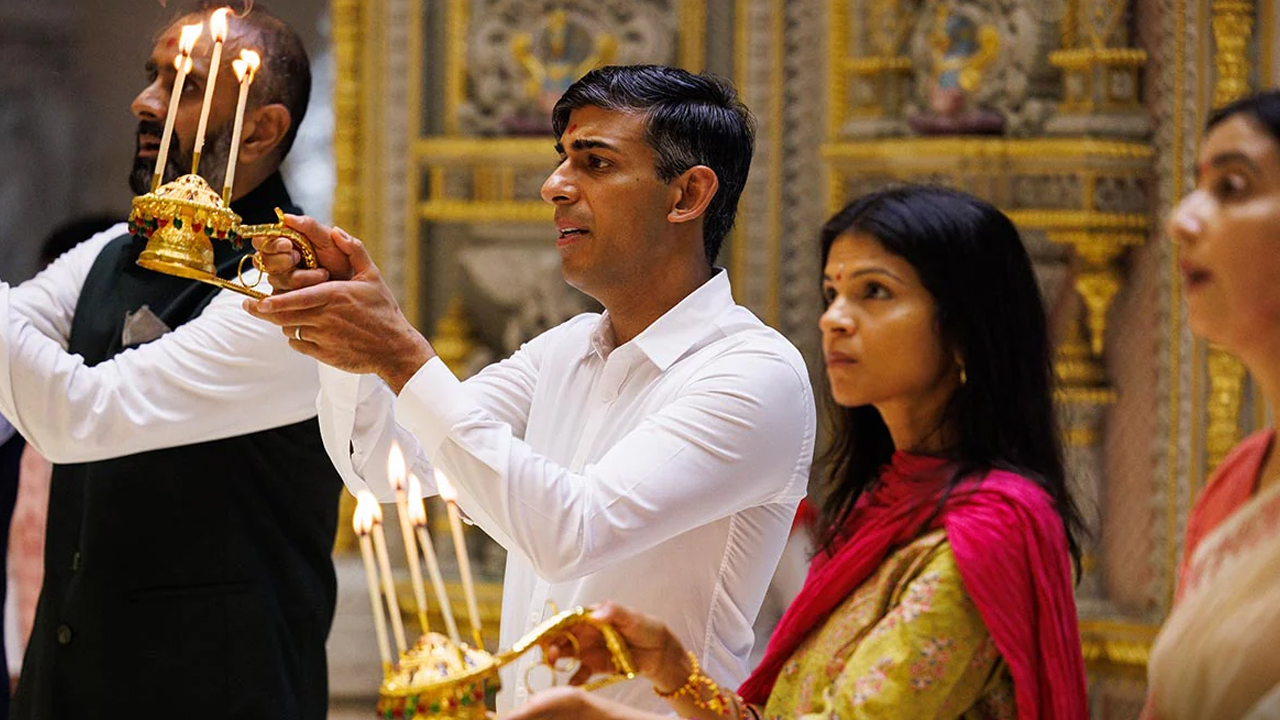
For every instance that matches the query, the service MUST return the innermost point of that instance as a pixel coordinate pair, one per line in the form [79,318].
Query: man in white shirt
[654,454]
[192,508]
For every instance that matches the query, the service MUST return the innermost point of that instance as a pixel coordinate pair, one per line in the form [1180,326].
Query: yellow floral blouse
[908,643]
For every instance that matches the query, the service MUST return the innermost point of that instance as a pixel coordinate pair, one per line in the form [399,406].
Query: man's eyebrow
[151,65]
[581,144]
[592,144]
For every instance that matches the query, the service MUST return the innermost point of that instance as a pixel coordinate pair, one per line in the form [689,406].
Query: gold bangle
[717,703]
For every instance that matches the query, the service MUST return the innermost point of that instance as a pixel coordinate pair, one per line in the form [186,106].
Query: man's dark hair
[689,120]
[285,75]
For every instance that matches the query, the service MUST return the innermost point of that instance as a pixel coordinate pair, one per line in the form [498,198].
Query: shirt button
[64,634]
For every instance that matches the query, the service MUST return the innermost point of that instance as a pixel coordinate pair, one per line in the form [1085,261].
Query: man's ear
[694,189]
[264,130]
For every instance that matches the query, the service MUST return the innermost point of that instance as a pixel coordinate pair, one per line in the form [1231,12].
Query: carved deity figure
[961,50]
[562,53]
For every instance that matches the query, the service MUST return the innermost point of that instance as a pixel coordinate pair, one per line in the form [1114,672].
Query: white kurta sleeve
[222,374]
[358,427]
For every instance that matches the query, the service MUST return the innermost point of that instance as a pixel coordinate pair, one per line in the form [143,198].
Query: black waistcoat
[191,581]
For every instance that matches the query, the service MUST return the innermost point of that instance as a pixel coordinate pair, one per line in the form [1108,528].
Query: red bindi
[172,42]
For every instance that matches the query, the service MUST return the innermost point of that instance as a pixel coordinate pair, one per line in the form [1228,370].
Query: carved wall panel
[522,55]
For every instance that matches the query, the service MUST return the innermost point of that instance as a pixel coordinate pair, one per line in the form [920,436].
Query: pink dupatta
[1011,549]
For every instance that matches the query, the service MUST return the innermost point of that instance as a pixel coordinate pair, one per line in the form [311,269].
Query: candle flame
[417,511]
[395,467]
[362,521]
[190,34]
[246,64]
[446,489]
[218,24]
[368,513]
[182,63]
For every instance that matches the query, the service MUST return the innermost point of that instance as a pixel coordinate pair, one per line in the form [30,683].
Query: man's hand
[354,325]
[281,259]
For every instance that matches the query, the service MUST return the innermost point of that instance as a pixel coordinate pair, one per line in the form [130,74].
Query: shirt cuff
[341,389]
[431,404]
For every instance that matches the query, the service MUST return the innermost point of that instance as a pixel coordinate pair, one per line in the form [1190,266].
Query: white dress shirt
[224,373]
[663,473]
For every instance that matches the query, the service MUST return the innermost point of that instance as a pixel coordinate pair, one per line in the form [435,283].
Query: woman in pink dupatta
[942,587]
[1216,656]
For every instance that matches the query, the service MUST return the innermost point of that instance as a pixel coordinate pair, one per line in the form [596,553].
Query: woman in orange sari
[1217,655]
[943,586]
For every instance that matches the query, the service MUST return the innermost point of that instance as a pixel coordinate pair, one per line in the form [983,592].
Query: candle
[396,471]
[245,66]
[418,515]
[218,28]
[363,522]
[388,584]
[181,63]
[460,547]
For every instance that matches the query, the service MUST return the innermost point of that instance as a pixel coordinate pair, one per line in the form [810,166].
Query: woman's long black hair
[971,259]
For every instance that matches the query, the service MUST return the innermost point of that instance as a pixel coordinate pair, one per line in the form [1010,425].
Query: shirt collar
[670,336]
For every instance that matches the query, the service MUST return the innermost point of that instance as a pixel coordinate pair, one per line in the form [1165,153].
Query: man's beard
[213,160]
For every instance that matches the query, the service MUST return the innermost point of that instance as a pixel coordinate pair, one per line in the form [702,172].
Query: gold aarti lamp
[441,677]
[182,219]
[438,679]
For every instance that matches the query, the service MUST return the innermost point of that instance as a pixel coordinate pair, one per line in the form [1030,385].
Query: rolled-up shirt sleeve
[222,374]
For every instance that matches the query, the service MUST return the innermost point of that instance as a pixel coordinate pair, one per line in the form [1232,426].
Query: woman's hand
[655,651]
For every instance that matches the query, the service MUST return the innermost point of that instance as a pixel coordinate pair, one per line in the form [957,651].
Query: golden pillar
[1232,29]
[346,156]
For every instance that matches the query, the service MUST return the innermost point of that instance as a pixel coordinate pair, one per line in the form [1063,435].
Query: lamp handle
[623,667]
[273,230]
